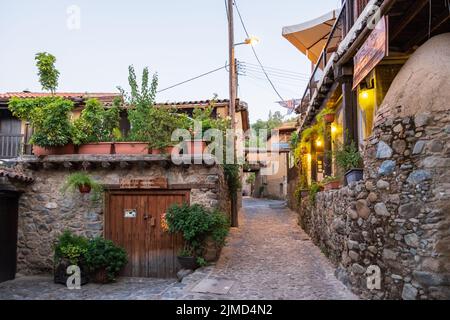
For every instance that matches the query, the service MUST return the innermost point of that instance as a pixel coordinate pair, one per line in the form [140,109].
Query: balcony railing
[334,39]
[10,145]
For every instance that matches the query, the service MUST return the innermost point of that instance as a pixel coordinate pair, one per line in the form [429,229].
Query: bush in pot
[105,260]
[196,223]
[70,250]
[94,129]
[349,159]
[50,119]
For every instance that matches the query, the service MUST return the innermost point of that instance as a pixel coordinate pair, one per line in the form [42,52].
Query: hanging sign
[144,183]
[375,49]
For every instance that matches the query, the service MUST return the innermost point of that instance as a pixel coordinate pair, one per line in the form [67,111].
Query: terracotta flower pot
[332,185]
[85,189]
[329,118]
[131,148]
[67,149]
[196,147]
[95,148]
[100,276]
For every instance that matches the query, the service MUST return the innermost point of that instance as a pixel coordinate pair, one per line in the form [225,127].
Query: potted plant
[104,260]
[349,159]
[70,250]
[84,183]
[94,129]
[49,117]
[133,148]
[196,224]
[331,183]
[327,115]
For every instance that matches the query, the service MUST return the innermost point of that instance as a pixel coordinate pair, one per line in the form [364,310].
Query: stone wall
[398,218]
[44,212]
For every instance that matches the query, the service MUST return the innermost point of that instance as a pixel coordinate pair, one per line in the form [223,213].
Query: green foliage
[251,178]
[325,111]
[96,124]
[308,134]
[348,156]
[329,179]
[48,75]
[205,117]
[96,253]
[295,140]
[160,126]
[49,117]
[313,191]
[195,223]
[143,96]
[77,179]
[232,177]
[104,254]
[70,247]
[201,262]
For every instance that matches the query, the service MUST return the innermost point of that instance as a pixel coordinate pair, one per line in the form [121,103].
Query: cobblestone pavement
[267,257]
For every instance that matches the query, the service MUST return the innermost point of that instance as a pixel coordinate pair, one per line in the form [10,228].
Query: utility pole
[233,95]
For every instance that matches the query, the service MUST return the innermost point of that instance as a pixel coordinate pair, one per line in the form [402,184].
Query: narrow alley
[267,258]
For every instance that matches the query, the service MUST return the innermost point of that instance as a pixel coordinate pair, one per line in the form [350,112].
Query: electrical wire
[279,70]
[254,51]
[275,75]
[192,79]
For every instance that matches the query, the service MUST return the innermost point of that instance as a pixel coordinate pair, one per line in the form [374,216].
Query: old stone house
[384,69]
[271,181]
[138,190]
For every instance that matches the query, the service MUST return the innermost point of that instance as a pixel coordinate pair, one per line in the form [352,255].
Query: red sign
[375,49]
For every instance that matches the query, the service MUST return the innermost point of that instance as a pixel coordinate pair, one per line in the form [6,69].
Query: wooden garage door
[151,251]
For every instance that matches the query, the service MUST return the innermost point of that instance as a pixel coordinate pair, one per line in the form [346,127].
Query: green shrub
[313,191]
[348,156]
[50,118]
[104,254]
[196,223]
[71,247]
[96,124]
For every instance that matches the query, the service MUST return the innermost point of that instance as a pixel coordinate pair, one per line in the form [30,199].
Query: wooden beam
[436,23]
[412,12]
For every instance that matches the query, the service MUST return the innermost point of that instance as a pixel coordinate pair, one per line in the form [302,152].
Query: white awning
[311,37]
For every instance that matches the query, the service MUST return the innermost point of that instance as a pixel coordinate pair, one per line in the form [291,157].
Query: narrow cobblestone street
[267,257]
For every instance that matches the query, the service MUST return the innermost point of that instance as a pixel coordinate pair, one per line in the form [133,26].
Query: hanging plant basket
[329,118]
[85,188]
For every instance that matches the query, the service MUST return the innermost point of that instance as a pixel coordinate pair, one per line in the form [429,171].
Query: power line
[280,70]
[192,79]
[254,51]
[275,75]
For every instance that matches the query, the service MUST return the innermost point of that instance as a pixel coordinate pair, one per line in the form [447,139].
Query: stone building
[394,223]
[44,211]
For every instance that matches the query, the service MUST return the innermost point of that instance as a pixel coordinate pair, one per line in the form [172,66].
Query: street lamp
[252,40]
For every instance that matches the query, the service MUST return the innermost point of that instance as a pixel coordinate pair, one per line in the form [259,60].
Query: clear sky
[178,39]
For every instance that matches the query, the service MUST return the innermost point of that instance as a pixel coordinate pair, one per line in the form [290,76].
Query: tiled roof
[15,175]
[188,104]
[287,126]
[106,97]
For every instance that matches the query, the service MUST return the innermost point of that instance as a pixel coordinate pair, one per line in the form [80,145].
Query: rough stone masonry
[44,212]
[398,218]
